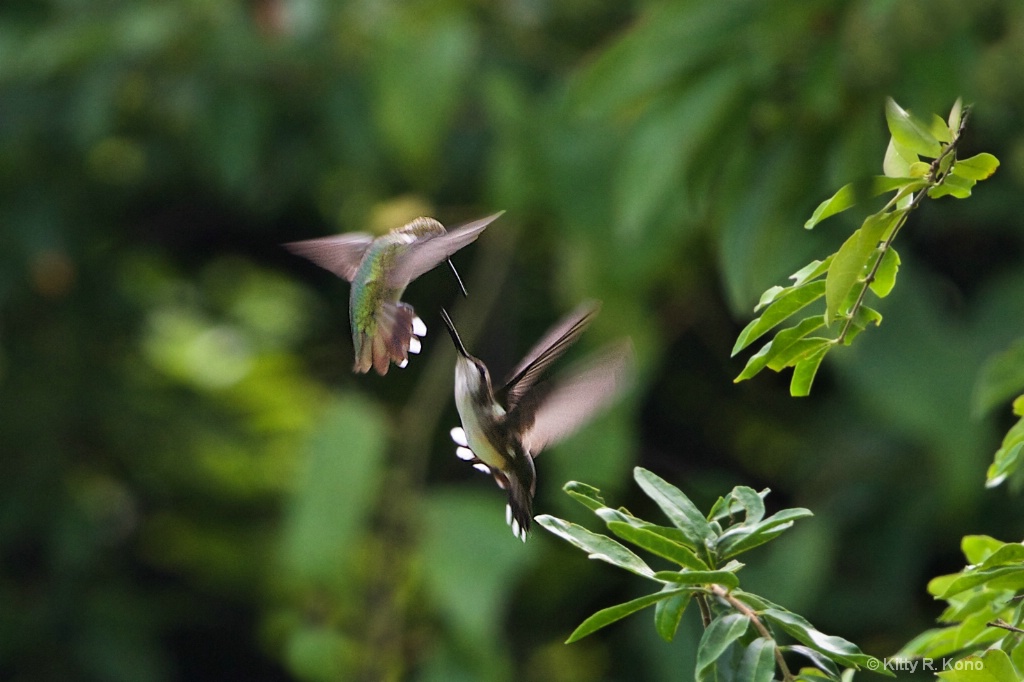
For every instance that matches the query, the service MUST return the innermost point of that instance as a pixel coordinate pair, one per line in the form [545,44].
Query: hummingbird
[503,437]
[385,329]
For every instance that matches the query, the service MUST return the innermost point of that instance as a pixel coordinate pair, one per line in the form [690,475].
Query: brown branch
[751,615]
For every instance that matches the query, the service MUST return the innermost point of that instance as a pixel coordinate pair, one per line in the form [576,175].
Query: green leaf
[977,548]
[668,612]
[726,579]
[722,632]
[839,649]
[849,263]
[939,130]
[658,544]
[597,546]
[1010,553]
[979,167]
[851,194]
[805,371]
[739,539]
[758,662]
[613,613]
[908,132]
[885,276]
[677,507]
[955,115]
[992,666]
[784,306]
[953,185]
[587,495]
[811,271]
[1000,378]
[797,351]
[1008,456]
[826,664]
[1000,578]
[897,161]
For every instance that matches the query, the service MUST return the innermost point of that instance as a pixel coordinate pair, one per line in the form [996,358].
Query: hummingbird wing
[341,254]
[548,416]
[551,346]
[424,254]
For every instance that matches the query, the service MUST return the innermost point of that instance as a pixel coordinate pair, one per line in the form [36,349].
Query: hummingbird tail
[398,332]
[520,489]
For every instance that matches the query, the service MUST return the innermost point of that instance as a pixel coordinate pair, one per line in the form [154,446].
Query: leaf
[992,666]
[909,132]
[897,161]
[839,649]
[805,371]
[939,130]
[885,275]
[952,185]
[726,579]
[1008,457]
[587,495]
[785,348]
[851,194]
[784,306]
[848,266]
[657,544]
[741,538]
[826,664]
[811,271]
[722,632]
[668,613]
[865,316]
[1010,553]
[1000,578]
[955,114]
[977,548]
[1000,378]
[676,506]
[979,167]
[597,546]
[613,613]
[758,662]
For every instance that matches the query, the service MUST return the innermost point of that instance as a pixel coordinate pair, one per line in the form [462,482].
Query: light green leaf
[677,507]
[866,315]
[939,130]
[597,546]
[614,613]
[849,263]
[811,271]
[885,276]
[668,612]
[805,371]
[853,193]
[955,115]
[657,544]
[952,185]
[794,300]
[992,666]
[722,632]
[979,167]
[997,578]
[758,662]
[908,132]
[1010,553]
[897,161]
[1008,457]
[587,495]
[977,548]
[793,353]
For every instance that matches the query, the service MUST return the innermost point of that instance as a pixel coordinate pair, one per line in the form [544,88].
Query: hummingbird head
[471,375]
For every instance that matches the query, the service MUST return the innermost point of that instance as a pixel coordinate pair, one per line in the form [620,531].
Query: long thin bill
[457,278]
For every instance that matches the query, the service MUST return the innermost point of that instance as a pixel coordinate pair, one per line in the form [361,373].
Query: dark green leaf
[668,612]
[758,662]
[785,305]
[613,613]
[996,576]
[742,538]
[676,506]
[726,579]
[722,632]
[597,546]
[1000,379]
[823,662]
[839,649]
[657,544]
[909,132]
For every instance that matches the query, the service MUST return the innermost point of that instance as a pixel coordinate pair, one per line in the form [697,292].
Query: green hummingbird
[385,329]
[503,437]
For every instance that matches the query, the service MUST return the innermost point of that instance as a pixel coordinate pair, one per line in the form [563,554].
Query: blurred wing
[424,255]
[575,400]
[341,254]
[551,346]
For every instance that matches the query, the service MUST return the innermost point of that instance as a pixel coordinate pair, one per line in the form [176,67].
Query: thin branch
[751,615]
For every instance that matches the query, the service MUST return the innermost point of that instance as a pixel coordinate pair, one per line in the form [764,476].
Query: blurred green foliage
[195,487]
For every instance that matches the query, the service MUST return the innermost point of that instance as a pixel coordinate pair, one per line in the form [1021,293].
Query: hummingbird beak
[454,334]
[458,279]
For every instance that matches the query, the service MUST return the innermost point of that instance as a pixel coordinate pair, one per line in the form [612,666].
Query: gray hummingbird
[385,329]
[502,432]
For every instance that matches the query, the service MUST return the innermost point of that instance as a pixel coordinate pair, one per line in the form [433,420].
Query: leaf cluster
[920,162]
[741,629]
[985,613]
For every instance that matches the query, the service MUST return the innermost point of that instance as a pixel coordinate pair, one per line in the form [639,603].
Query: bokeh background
[194,486]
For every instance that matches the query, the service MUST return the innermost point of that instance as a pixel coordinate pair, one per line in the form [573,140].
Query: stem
[751,615]
[1000,623]
[932,176]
